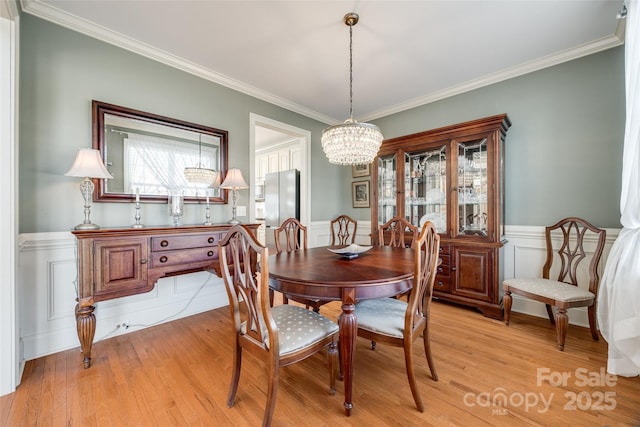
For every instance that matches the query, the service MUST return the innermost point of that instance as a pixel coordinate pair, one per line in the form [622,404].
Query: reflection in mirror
[147,154]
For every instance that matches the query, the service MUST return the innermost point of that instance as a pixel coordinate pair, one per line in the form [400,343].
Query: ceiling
[295,54]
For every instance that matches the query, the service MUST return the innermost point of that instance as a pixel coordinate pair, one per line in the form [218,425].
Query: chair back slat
[574,232]
[343,230]
[393,233]
[290,236]
[426,248]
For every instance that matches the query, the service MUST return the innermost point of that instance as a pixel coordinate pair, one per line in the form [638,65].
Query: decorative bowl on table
[351,251]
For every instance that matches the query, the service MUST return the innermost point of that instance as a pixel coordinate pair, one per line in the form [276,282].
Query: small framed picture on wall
[360,194]
[360,170]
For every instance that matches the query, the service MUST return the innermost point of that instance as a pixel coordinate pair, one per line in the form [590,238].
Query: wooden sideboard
[118,262]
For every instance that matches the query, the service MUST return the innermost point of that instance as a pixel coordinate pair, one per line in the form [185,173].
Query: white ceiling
[296,53]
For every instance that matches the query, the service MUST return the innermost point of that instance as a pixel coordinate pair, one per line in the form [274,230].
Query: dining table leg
[348,324]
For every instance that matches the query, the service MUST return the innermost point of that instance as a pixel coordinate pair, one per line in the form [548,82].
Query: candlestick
[137,224]
[137,194]
[207,217]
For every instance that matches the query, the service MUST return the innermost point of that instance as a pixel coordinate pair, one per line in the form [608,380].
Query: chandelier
[199,175]
[351,143]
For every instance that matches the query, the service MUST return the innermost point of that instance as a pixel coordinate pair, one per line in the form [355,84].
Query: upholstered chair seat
[382,316]
[300,328]
[552,289]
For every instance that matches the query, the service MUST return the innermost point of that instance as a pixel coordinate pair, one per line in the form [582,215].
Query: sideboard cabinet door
[121,266]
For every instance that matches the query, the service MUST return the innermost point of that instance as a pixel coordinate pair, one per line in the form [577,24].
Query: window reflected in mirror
[148,154]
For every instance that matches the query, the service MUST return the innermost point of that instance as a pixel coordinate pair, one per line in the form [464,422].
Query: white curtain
[619,295]
[156,165]
[153,165]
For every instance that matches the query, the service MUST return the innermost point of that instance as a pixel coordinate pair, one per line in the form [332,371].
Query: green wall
[564,149]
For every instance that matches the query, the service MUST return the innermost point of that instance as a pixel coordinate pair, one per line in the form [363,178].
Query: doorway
[266,134]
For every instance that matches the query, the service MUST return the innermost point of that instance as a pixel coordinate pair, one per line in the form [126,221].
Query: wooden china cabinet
[454,177]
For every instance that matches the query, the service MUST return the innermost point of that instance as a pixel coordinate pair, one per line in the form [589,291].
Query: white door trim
[9,42]
[304,143]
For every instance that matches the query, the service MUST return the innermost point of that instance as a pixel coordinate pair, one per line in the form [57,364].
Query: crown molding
[605,43]
[88,28]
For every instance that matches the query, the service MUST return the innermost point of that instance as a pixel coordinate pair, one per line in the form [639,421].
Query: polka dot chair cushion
[558,291]
[382,316]
[299,327]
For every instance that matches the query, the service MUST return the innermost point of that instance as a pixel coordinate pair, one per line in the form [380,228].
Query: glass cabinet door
[387,188]
[425,188]
[472,188]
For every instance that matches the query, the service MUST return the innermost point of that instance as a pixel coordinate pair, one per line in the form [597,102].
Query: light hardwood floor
[178,374]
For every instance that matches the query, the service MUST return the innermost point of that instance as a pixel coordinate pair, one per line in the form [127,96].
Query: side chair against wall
[256,325]
[565,245]
[400,323]
[343,230]
[292,236]
[393,233]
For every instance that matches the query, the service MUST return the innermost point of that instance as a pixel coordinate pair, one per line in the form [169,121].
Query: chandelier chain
[351,71]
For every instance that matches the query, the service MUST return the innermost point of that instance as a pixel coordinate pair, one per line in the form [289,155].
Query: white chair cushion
[299,327]
[553,289]
[382,316]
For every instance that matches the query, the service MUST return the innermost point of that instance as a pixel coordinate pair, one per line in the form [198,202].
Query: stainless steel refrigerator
[281,200]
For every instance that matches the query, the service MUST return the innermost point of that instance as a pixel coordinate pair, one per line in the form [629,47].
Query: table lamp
[88,164]
[234,182]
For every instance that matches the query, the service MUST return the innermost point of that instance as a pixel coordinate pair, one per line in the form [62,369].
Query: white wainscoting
[47,276]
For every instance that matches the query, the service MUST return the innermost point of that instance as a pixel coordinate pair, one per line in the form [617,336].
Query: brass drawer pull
[211,240]
[440,269]
[210,253]
[164,243]
[440,283]
[163,259]
[143,261]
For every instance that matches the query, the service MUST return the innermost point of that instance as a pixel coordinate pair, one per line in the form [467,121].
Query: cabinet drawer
[442,284]
[169,243]
[185,256]
[445,250]
[444,267]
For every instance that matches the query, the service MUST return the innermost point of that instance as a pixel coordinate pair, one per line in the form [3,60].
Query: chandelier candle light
[199,174]
[234,182]
[88,164]
[351,143]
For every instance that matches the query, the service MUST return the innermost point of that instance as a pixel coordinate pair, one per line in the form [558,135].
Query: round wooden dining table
[318,273]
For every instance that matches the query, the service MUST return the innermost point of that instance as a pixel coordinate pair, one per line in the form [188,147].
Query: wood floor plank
[178,374]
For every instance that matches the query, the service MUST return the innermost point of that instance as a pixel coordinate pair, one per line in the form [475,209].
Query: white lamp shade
[88,163]
[234,180]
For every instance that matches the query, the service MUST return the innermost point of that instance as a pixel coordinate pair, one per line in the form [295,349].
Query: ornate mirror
[147,154]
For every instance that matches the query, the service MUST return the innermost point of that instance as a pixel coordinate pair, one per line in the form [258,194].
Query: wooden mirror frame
[100,109]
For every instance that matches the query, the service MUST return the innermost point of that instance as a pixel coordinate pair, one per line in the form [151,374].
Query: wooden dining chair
[399,323]
[292,236]
[394,233]
[257,326]
[343,230]
[565,244]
